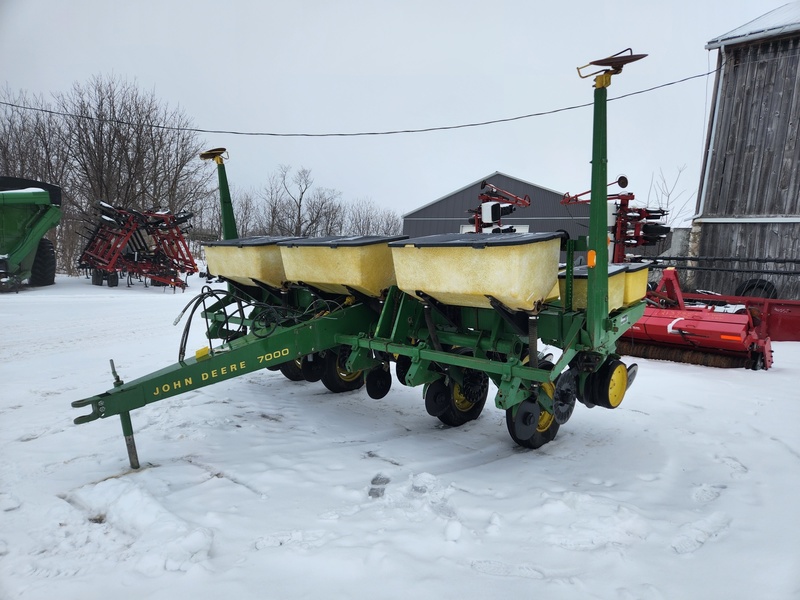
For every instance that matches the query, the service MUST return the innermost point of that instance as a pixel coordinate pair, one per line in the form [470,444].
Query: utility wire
[360,133]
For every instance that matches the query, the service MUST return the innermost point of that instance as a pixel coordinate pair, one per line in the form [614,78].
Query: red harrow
[143,245]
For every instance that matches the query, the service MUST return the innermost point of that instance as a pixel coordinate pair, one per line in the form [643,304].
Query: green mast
[229,231]
[597,257]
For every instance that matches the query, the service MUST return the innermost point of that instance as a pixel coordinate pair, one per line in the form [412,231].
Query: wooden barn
[746,231]
[546,213]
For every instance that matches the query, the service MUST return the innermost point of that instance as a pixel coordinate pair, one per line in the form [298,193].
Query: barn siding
[749,240]
[754,166]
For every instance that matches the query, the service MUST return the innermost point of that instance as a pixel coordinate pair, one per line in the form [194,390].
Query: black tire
[466,404]
[291,370]
[113,279]
[546,429]
[756,288]
[610,384]
[97,277]
[401,367]
[338,379]
[312,366]
[546,424]
[655,229]
[43,270]
[378,382]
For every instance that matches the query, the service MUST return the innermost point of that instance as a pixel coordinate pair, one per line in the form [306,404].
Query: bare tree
[325,212]
[364,217]
[131,150]
[246,211]
[664,195]
[360,217]
[389,223]
[105,140]
[269,214]
[31,141]
[33,146]
[293,220]
[292,206]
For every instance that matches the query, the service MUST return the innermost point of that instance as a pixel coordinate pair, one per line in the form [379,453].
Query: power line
[360,133]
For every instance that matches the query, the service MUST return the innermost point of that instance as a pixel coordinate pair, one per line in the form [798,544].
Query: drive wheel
[291,370]
[338,379]
[466,401]
[43,270]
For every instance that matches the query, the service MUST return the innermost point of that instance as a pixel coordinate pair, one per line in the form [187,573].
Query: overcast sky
[347,66]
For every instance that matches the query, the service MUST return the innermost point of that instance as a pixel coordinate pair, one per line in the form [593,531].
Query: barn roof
[781,21]
[469,185]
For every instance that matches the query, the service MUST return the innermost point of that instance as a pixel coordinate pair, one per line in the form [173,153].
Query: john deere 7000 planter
[452,312]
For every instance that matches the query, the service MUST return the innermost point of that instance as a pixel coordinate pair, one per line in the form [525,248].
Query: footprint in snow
[738,469]
[707,492]
[694,535]
[378,485]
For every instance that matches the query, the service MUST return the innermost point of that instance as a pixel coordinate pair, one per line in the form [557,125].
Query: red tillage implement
[701,329]
[148,244]
[673,330]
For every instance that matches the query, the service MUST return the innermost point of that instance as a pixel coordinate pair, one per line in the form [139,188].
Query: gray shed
[546,213]
[748,204]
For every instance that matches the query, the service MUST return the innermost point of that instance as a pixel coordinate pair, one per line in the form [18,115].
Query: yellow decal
[273,355]
[188,382]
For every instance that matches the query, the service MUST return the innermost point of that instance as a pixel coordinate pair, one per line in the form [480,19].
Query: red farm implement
[717,334]
[142,245]
[702,329]
[495,204]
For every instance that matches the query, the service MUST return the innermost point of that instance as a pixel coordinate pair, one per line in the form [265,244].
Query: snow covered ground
[262,488]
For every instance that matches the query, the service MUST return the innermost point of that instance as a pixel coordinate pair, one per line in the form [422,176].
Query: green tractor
[28,210]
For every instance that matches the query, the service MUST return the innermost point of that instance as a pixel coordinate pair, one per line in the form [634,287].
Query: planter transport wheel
[338,379]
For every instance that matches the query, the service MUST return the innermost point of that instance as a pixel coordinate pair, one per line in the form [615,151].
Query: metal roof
[469,185]
[783,20]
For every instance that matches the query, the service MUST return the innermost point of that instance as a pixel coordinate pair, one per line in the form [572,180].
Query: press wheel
[529,425]
[607,386]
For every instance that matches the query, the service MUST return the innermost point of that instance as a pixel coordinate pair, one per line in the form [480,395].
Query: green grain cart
[28,210]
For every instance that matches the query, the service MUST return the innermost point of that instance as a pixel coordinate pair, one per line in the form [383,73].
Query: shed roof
[469,185]
[781,21]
